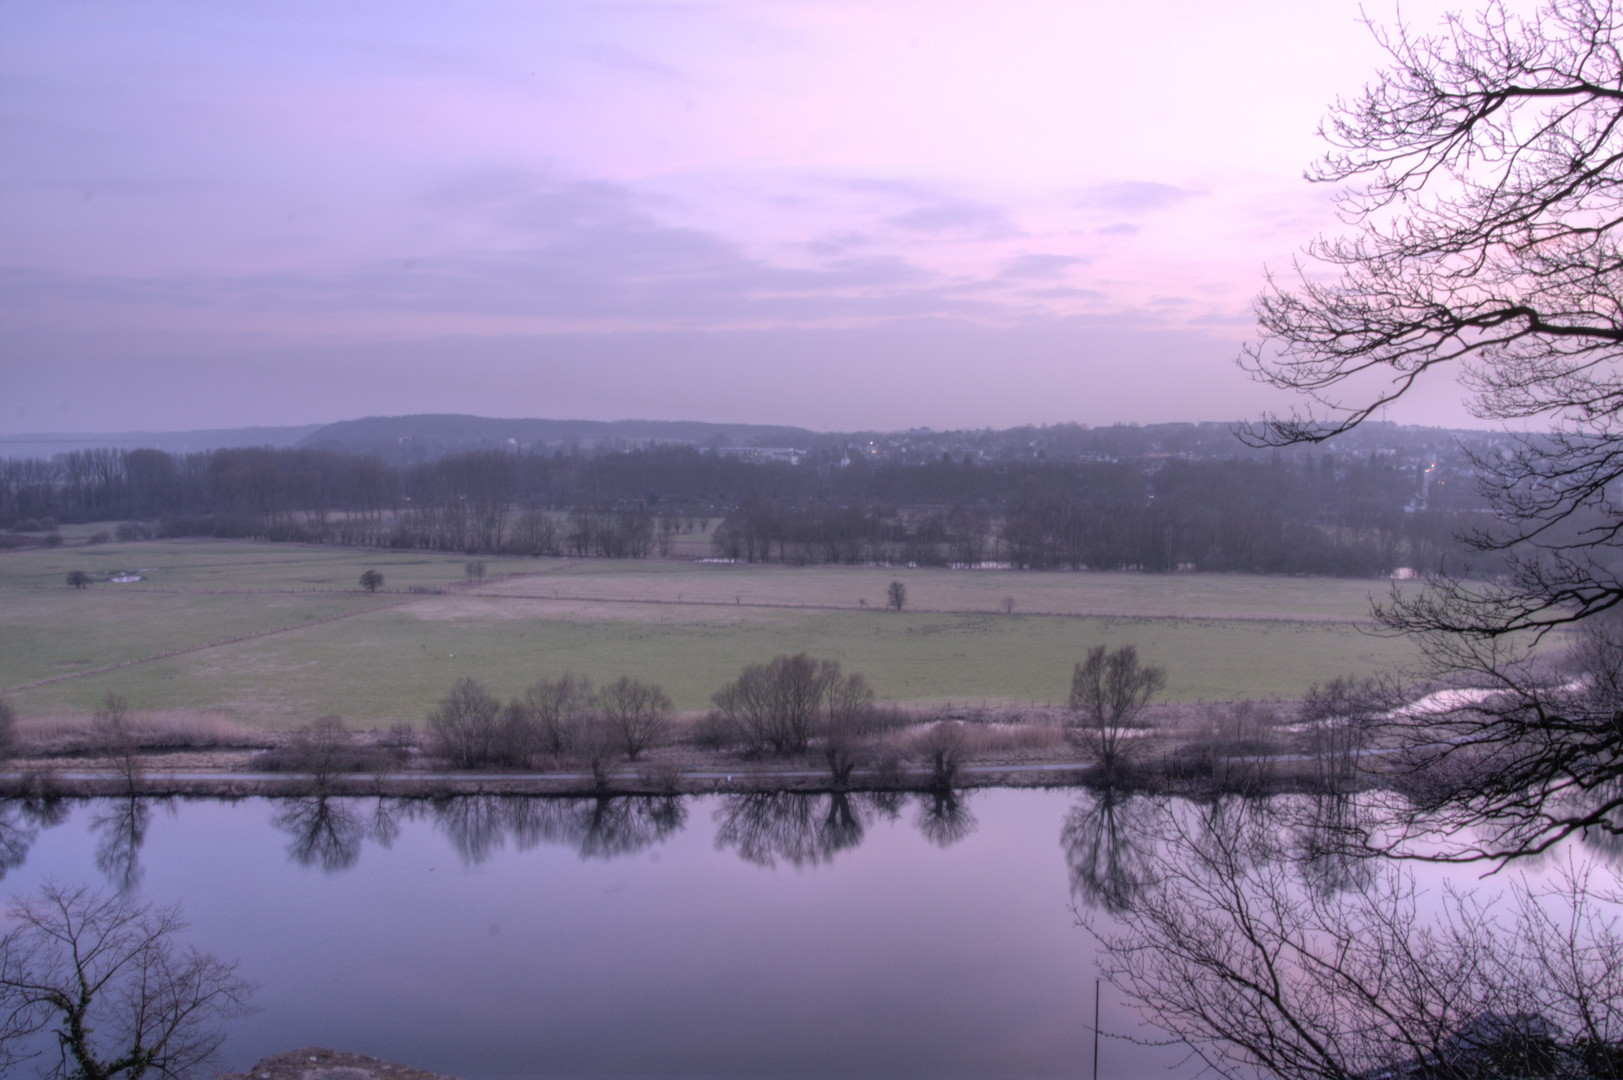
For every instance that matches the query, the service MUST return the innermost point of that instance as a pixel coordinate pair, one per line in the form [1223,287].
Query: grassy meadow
[323,646]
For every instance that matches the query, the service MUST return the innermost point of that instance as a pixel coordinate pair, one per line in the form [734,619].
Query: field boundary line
[206,645]
[1316,620]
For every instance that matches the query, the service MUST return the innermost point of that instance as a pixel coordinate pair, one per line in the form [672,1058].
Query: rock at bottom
[319,1063]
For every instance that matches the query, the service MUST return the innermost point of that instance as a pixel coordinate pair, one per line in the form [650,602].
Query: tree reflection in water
[1329,832]
[1106,838]
[600,828]
[17,835]
[804,830]
[325,832]
[120,826]
[944,817]
[1261,956]
[810,829]
[20,822]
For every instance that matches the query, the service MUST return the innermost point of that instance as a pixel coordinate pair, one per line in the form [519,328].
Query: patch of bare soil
[319,1063]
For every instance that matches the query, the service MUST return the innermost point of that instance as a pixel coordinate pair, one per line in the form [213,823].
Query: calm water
[776,936]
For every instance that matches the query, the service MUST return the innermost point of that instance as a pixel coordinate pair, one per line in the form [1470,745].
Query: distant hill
[48,444]
[428,436]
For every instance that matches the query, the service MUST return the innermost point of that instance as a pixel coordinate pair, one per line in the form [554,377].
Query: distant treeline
[1301,515]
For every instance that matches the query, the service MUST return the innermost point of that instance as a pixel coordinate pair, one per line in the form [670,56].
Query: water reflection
[20,823]
[120,828]
[764,828]
[810,829]
[1107,845]
[1263,941]
[803,830]
[17,835]
[944,817]
[1329,836]
[325,832]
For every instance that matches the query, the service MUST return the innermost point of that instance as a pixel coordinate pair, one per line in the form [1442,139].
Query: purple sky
[831,214]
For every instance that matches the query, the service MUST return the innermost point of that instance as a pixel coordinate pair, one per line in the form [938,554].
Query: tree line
[1302,514]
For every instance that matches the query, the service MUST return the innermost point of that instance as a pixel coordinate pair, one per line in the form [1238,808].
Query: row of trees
[1215,516]
[1287,516]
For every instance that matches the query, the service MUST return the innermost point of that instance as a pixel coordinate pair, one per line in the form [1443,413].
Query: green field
[689,626]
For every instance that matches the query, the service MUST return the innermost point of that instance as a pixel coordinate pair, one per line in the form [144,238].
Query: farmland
[275,634]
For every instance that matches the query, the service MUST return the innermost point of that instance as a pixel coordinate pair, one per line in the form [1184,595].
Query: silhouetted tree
[1479,172]
[896,595]
[1227,949]
[107,978]
[78,579]
[371,581]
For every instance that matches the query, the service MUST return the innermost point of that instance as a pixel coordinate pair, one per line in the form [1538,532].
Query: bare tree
[1108,690]
[78,579]
[943,747]
[775,706]
[1008,605]
[639,712]
[474,570]
[465,723]
[1341,716]
[597,744]
[518,735]
[1514,767]
[896,595]
[1480,174]
[108,979]
[8,730]
[323,750]
[1227,949]
[556,706]
[371,581]
[535,533]
[848,712]
[115,734]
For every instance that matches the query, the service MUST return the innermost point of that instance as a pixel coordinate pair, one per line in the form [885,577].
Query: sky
[839,215]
